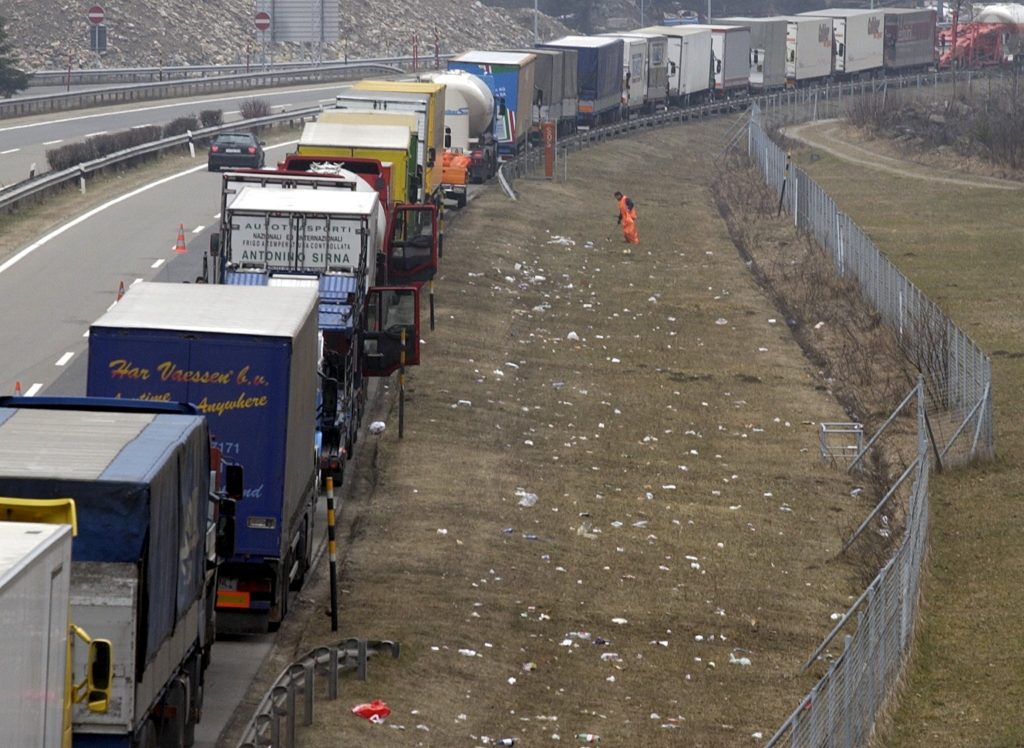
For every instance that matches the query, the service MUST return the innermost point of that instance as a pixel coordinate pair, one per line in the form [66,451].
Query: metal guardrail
[276,718]
[26,105]
[10,197]
[176,72]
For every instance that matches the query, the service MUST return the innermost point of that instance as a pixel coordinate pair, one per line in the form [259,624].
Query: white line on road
[198,229]
[65,358]
[109,204]
[9,150]
[98,132]
[158,263]
[31,391]
[85,334]
[137,280]
[139,127]
[53,142]
[216,216]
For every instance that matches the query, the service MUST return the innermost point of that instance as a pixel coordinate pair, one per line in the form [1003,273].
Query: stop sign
[263,20]
[95,15]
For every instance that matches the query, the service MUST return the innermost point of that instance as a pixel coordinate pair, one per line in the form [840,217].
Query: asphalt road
[24,142]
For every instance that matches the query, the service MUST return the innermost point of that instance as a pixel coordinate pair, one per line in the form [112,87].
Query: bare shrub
[99,146]
[253,108]
[181,125]
[211,117]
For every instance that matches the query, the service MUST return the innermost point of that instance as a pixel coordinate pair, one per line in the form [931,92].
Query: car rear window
[245,140]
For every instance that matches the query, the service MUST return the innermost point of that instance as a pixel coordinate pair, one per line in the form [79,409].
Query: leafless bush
[253,108]
[211,117]
[98,146]
[181,125]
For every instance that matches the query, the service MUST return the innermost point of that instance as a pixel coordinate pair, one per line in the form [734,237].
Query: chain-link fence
[957,373]
[954,414]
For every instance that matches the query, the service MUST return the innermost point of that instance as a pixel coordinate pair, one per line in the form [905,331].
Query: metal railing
[17,193]
[43,103]
[278,715]
[89,76]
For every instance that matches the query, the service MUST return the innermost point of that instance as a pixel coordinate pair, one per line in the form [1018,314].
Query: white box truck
[688,57]
[35,579]
[767,49]
[730,46]
[859,39]
[808,49]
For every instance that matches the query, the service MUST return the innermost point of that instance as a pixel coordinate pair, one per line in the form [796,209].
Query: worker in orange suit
[627,218]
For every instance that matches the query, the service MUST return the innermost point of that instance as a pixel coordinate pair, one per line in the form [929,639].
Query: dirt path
[835,137]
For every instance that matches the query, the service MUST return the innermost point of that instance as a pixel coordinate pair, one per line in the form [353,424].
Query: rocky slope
[51,34]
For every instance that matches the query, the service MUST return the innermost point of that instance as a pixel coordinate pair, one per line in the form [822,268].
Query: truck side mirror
[224,545]
[100,675]
[214,244]
[234,481]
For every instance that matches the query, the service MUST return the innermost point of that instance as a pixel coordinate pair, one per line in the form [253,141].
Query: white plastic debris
[619,621]
[526,498]
[467,652]
[721,321]
[572,336]
[744,661]
[377,427]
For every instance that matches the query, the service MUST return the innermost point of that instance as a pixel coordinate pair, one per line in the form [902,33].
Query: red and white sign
[263,20]
[95,15]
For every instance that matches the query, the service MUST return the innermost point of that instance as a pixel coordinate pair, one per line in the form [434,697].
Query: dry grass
[673,448]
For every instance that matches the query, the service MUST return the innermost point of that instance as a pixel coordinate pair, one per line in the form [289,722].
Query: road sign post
[262,22]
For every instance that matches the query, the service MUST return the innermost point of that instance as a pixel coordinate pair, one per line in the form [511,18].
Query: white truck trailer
[808,49]
[688,57]
[767,49]
[35,578]
[859,39]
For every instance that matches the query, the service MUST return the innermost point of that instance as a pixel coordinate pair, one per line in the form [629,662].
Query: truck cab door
[412,245]
[392,336]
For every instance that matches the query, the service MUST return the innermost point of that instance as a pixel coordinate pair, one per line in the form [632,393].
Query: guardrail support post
[361,659]
[332,674]
[81,181]
[191,145]
[307,692]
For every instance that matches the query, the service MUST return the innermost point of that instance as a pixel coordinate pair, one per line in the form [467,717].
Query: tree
[12,78]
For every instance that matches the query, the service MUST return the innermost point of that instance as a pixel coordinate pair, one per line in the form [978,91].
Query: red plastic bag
[375,711]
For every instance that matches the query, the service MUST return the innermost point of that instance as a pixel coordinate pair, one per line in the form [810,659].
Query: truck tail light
[477,155]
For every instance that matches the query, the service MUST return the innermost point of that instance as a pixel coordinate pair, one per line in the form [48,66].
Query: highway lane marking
[94,134]
[139,127]
[31,391]
[158,263]
[216,216]
[189,102]
[137,280]
[85,334]
[198,229]
[47,238]
[9,150]
[53,142]
[65,358]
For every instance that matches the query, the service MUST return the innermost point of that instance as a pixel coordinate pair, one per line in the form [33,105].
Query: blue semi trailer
[598,76]
[246,357]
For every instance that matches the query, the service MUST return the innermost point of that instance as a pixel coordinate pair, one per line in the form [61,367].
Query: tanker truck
[470,145]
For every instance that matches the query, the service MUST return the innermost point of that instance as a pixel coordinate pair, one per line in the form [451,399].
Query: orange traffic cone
[179,246]
[120,291]
[17,389]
